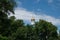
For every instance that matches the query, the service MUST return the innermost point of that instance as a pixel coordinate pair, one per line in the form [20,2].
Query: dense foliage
[15,29]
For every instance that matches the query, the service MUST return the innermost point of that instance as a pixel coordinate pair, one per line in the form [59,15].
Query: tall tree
[3,38]
[46,30]
[6,7]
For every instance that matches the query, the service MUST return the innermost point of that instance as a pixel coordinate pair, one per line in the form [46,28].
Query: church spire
[32,21]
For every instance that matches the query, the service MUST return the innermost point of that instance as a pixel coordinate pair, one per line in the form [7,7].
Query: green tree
[6,7]
[16,24]
[3,38]
[59,37]
[43,30]
[46,30]
[21,34]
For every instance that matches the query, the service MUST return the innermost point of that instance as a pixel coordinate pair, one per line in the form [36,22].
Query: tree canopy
[7,6]
[15,29]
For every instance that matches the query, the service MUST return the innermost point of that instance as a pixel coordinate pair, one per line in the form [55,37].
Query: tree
[6,7]
[16,24]
[46,30]
[20,34]
[59,37]
[43,30]
[3,38]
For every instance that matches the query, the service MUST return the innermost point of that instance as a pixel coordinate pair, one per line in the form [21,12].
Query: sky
[48,10]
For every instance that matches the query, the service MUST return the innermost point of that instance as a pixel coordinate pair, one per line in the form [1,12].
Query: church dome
[32,19]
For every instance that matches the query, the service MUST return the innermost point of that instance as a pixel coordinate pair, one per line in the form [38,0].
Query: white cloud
[22,13]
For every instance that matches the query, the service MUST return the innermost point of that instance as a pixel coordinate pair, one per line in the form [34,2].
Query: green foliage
[46,30]
[3,38]
[15,29]
[7,6]
[21,33]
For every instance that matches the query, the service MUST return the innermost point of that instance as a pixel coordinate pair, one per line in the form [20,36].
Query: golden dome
[32,19]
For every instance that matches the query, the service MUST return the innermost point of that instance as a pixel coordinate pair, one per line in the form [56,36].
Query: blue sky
[49,7]
[48,10]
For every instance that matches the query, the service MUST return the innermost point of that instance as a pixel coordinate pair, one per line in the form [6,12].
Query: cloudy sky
[48,10]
